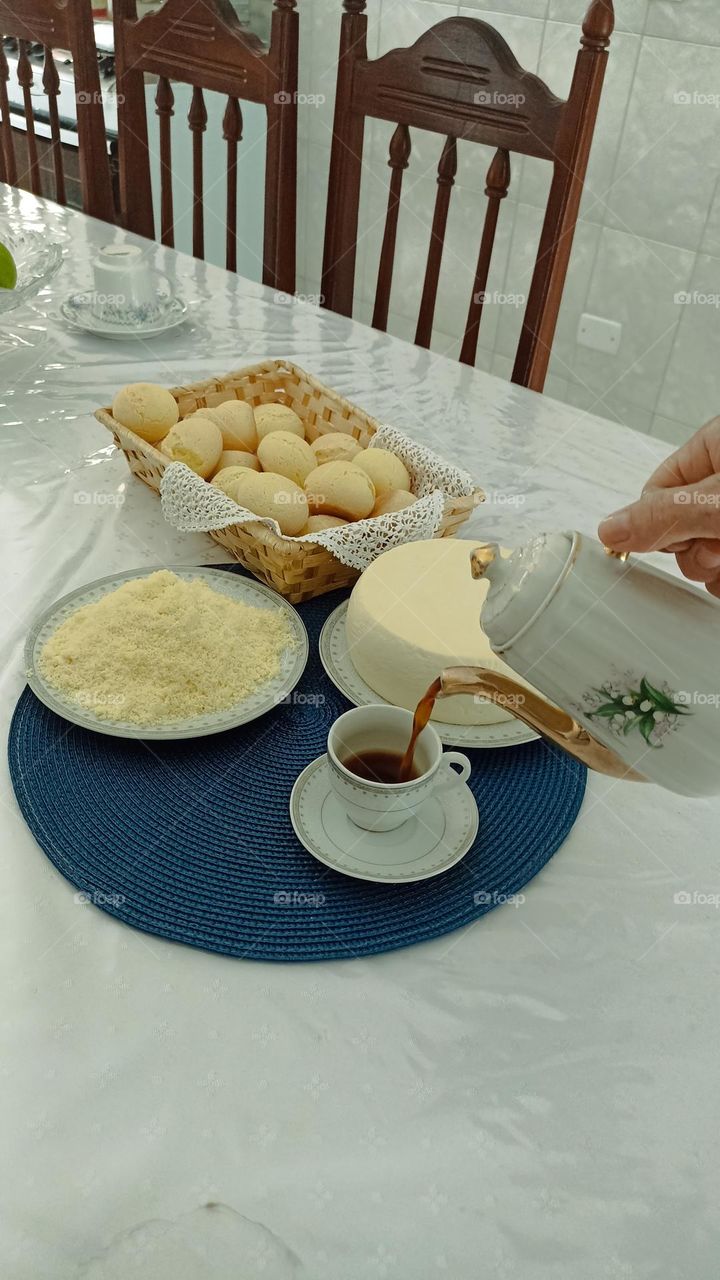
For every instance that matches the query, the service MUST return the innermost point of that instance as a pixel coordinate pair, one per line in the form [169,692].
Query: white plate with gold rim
[433,840]
[335,657]
[244,590]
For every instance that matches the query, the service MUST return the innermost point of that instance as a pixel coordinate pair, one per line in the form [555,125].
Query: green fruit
[8,270]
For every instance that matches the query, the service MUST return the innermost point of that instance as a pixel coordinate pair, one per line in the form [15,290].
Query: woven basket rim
[283,545]
[220,381]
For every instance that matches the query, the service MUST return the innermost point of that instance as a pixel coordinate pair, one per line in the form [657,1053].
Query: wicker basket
[298,570]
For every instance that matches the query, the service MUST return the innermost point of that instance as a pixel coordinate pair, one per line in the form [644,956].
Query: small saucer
[431,842]
[169,312]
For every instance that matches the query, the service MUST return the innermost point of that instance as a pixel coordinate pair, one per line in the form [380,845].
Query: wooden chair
[461,80]
[56,24]
[202,43]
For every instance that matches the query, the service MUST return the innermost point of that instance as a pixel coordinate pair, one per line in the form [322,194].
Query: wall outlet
[599,334]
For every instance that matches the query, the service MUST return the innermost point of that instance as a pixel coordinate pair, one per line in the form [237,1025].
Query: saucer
[431,842]
[145,322]
[338,664]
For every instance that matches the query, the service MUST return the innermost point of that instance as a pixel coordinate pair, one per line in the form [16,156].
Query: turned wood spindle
[197,120]
[496,189]
[51,85]
[7,148]
[25,80]
[232,133]
[399,158]
[447,168]
[165,110]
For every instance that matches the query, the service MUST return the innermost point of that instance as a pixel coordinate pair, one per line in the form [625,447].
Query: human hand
[679,510]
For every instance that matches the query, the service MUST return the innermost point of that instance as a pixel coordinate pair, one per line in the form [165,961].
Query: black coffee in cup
[381,766]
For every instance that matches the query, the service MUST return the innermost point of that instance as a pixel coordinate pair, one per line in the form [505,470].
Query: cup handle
[160,275]
[453,776]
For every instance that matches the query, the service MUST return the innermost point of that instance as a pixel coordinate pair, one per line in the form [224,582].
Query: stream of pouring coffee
[423,712]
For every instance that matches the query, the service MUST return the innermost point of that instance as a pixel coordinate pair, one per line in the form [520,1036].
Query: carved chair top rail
[461,78]
[203,44]
[47,24]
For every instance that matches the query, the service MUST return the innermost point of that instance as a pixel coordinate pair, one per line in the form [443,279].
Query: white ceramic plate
[431,842]
[263,699]
[339,667]
[78,310]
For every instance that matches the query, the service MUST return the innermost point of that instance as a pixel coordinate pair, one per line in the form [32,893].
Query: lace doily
[194,506]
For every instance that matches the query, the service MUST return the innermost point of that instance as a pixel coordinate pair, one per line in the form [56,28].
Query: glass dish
[37,260]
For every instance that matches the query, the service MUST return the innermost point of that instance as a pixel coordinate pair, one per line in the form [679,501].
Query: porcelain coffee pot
[628,655]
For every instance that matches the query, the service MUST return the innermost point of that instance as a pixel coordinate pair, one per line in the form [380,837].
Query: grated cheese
[160,648]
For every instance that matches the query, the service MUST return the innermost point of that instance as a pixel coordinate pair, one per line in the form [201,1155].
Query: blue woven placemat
[192,840]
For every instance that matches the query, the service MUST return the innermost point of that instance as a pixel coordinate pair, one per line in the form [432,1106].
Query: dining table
[533,1096]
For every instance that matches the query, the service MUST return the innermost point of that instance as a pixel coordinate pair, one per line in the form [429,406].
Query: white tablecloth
[533,1097]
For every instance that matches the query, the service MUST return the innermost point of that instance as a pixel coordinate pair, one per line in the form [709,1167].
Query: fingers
[697,459]
[701,562]
[665,517]
[676,547]
[679,511]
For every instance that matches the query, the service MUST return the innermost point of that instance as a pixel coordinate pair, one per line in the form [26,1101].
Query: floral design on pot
[627,705]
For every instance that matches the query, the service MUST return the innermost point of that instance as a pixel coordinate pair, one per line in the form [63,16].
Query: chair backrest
[67,25]
[203,44]
[461,80]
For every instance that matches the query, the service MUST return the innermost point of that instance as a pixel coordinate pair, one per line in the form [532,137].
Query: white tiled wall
[647,248]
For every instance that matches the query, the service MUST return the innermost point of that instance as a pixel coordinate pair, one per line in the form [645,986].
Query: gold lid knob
[481,557]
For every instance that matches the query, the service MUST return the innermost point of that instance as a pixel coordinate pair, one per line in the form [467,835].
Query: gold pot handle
[553,723]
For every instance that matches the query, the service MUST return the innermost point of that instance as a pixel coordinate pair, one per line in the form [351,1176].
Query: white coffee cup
[125,285]
[382,806]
